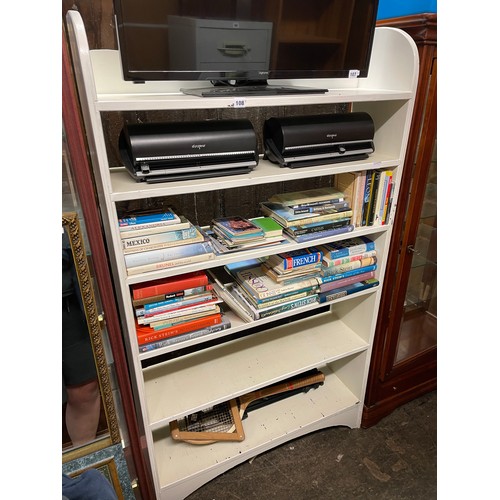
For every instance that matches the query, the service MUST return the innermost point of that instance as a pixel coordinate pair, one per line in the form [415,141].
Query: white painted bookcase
[337,341]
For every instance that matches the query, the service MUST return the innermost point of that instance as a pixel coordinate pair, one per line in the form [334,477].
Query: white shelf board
[113,93]
[244,365]
[125,188]
[264,428]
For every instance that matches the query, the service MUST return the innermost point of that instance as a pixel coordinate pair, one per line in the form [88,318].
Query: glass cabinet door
[418,331]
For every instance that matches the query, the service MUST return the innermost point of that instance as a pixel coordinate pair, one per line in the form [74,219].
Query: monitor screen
[244,40]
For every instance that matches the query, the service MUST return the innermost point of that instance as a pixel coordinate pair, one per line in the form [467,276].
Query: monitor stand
[222,88]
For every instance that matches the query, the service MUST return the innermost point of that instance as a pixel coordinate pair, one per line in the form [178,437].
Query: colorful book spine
[296,258]
[347,274]
[317,227]
[174,295]
[324,234]
[167,216]
[146,335]
[351,246]
[171,284]
[326,287]
[319,207]
[349,266]
[348,290]
[160,227]
[167,254]
[171,304]
[179,312]
[327,262]
[224,325]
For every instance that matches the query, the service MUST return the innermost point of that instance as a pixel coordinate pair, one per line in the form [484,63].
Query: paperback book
[270,227]
[309,197]
[153,228]
[173,295]
[326,287]
[237,227]
[347,290]
[225,324]
[323,234]
[349,266]
[347,274]
[338,261]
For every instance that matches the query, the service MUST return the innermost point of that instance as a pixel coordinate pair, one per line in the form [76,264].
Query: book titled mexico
[167,254]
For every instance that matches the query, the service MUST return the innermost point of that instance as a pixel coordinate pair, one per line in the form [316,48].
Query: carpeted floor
[394,460]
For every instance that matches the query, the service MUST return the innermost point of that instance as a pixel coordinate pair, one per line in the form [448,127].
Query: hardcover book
[237,227]
[347,290]
[347,274]
[349,266]
[167,254]
[326,287]
[183,337]
[298,198]
[166,216]
[316,227]
[146,334]
[173,295]
[323,234]
[295,258]
[169,285]
[153,228]
[351,246]
[270,227]
[338,261]
[152,241]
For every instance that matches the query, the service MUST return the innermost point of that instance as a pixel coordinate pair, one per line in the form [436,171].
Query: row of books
[174,309]
[370,193]
[161,240]
[259,288]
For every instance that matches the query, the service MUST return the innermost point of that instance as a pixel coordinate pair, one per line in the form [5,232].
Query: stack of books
[287,266]
[233,234]
[174,309]
[161,240]
[260,296]
[347,267]
[311,214]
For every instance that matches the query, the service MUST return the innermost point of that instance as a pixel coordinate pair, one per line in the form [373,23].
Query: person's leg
[82,412]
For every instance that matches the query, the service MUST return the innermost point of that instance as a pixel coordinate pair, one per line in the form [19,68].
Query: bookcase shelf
[336,337]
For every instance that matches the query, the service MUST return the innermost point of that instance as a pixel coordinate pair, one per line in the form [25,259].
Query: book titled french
[295,258]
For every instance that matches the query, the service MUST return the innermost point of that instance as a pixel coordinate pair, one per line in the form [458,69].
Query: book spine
[373,197]
[316,228]
[327,262]
[301,258]
[358,202]
[348,290]
[320,218]
[164,323]
[184,261]
[170,304]
[349,250]
[174,295]
[146,337]
[324,234]
[346,281]
[355,264]
[178,313]
[152,239]
[318,207]
[366,198]
[178,284]
[289,306]
[168,244]
[386,201]
[166,254]
[136,231]
[183,337]
[146,219]
[339,276]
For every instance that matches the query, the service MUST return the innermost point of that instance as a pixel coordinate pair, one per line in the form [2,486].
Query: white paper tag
[239,102]
[353,73]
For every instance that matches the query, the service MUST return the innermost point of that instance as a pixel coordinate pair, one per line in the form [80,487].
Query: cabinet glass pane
[418,330]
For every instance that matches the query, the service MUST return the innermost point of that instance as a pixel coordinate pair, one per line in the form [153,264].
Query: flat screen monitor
[242,42]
